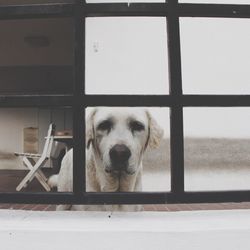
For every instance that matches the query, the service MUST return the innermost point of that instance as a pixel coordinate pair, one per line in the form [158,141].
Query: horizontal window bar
[211,197]
[35,100]
[161,9]
[126,100]
[36,10]
[170,198]
[166,100]
[215,100]
[86,198]
[125,9]
[38,198]
[126,198]
[214,10]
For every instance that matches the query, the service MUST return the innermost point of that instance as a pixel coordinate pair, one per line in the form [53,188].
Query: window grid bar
[124,9]
[176,113]
[79,179]
[214,10]
[167,100]
[126,100]
[126,198]
[36,11]
[215,100]
[162,9]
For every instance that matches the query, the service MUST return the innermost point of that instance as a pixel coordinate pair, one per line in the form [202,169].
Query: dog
[116,139]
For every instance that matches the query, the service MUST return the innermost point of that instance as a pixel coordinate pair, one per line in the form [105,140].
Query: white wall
[229,122]
[194,230]
[215,55]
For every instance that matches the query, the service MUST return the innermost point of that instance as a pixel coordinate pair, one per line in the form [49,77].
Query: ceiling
[36,55]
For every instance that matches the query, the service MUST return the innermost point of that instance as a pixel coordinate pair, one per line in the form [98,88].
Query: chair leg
[31,164]
[40,177]
[43,182]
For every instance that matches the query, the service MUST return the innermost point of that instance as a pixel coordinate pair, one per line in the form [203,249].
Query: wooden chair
[34,162]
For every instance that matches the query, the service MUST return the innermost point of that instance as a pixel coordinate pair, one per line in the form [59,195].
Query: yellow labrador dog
[116,139]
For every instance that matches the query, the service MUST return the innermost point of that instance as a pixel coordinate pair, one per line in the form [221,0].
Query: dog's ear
[155,132]
[90,128]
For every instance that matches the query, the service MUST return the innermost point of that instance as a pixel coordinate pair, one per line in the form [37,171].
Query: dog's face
[120,136]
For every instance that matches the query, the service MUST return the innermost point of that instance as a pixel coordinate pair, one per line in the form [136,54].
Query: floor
[9,179]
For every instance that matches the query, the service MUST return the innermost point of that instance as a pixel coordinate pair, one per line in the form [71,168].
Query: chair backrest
[49,141]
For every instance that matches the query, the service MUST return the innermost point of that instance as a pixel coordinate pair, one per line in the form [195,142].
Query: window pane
[25,130]
[217,144]
[138,131]
[126,55]
[215,55]
[36,56]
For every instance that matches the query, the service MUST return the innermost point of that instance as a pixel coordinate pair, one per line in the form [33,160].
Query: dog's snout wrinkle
[119,154]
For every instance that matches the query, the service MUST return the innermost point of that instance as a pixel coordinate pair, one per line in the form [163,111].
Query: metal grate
[172,10]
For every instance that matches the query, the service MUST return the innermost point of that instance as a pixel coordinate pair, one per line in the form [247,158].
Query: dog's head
[120,136]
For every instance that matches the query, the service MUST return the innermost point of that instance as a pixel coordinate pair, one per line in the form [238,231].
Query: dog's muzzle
[119,155]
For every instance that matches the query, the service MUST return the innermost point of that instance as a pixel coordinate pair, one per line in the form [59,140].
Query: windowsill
[146,230]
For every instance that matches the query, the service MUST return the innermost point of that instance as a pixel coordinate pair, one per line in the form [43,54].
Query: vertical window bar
[177,150]
[79,186]
[176,111]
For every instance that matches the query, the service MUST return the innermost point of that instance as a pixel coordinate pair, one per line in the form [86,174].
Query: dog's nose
[119,154]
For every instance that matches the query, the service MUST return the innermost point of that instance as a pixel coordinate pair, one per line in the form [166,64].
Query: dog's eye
[105,125]
[136,126]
